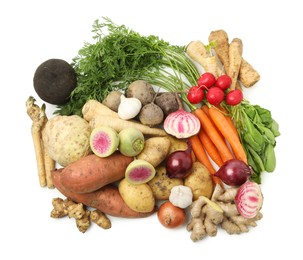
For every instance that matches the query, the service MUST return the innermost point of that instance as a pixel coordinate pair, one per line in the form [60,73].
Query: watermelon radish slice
[104,141]
[139,171]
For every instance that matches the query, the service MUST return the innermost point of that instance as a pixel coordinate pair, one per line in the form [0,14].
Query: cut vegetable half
[139,171]
[104,141]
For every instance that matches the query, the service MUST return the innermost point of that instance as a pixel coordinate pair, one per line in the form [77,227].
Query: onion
[249,199]
[234,172]
[171,216]
[179,163]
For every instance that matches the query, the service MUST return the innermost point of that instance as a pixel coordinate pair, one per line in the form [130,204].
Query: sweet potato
[107,199]
[91,172]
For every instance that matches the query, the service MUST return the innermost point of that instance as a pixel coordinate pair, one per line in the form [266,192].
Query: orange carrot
[205,108]
[224,127]
[210,148]
[201,155]
[214,135]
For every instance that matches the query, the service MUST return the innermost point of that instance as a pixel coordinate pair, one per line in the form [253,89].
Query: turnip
[131,141]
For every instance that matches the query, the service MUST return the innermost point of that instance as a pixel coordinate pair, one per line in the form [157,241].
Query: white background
[34,31]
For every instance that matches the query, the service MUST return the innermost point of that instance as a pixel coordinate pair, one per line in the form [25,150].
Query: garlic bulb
[181,196]
[129,107]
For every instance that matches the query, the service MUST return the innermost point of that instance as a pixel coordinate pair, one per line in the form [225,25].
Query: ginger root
[221,209]
[206,215]
[78,211]
[233,222]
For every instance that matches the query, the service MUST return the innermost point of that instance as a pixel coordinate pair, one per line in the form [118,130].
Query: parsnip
[235,59]
[197,51]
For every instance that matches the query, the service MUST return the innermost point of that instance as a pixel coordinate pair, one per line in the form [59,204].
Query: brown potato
[138,197]
[199,181]
[161,184]
[155,150]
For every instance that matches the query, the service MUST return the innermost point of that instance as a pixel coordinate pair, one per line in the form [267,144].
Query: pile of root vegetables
[144,150]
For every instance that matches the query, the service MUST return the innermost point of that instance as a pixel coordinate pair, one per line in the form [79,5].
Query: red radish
[234,97]
[179,163]
[206,80]
[181,124]
[234,172]
[215,96]
[249,199]
[171,216]
[195,95]
[223,82]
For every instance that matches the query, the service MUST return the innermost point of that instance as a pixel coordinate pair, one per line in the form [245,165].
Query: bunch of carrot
[217,139]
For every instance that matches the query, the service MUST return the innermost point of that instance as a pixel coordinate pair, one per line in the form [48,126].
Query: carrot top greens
[120,56]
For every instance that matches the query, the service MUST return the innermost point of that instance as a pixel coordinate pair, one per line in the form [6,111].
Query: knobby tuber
[233,222]
[80,213]
[221,209]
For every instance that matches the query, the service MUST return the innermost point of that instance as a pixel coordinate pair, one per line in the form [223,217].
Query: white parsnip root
[197,51]
[44,163]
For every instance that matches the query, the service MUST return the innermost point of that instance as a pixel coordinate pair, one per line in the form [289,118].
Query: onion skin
[171,216]
[249,199]
[234,172]
[181,124]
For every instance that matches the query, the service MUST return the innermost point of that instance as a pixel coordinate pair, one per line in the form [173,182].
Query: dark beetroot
[179,163]
[234,172]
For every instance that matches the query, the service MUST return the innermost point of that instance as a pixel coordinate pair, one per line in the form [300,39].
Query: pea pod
[274,127]
[268,134]
[255,134]
[251,142]
[269,158]
[257,159]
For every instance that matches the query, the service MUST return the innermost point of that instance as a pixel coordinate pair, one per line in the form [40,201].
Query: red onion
[179,163]
[234,172]
[249,199]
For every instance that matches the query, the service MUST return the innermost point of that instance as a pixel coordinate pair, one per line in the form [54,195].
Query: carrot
[119,124]
[210,148]
[214,135]
[201,155]
[91,172]
[107,199]
[224,127]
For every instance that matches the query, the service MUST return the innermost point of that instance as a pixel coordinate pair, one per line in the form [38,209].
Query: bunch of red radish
[215,90]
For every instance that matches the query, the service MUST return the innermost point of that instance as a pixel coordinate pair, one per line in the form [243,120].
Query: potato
[66,138]
[138,197]
[161,184]
[199,181]
[155,150]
